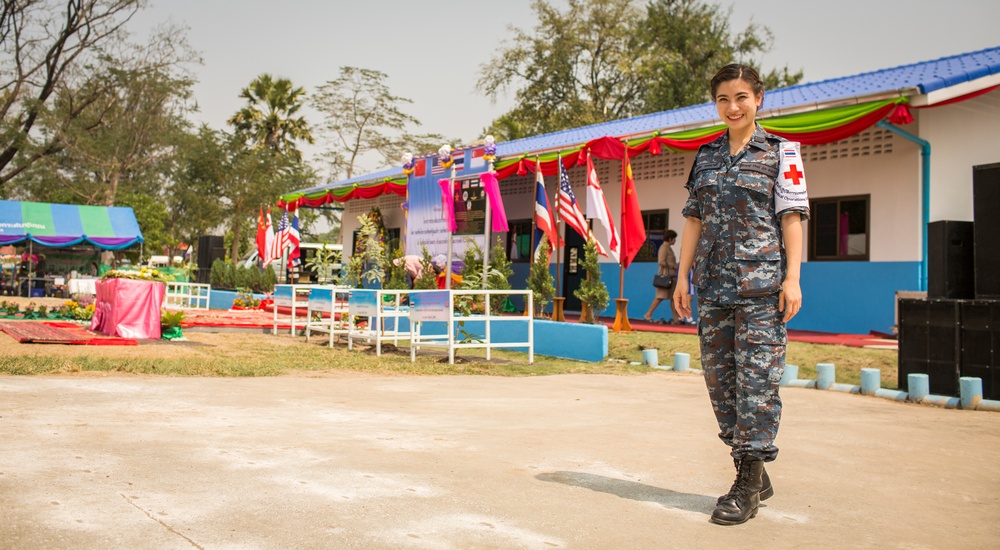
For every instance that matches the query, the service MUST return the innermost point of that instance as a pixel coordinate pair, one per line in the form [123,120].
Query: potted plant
[592,292]
[540,281]
[170,324]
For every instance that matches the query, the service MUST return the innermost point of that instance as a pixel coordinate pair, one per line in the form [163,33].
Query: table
[128,308]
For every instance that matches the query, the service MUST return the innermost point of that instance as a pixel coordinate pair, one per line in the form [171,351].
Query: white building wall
[961,135]
[884,166]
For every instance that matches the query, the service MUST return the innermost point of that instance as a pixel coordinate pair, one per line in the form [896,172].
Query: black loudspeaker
[986,213]
[210,248]
[950,266]
[929,343]
[980,338]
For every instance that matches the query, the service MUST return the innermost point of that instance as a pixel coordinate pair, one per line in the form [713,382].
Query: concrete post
[970,389]
[918,385]
[681,361]
[871,381]
[825,376]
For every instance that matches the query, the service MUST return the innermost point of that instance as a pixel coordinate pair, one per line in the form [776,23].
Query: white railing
[452,318]
[187,295]
[384,324]
[289,296]
[331,300]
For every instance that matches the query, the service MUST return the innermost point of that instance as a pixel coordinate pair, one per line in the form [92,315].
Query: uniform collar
[758,139]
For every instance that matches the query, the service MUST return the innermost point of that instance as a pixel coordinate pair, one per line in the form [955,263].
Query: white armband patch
[790,191]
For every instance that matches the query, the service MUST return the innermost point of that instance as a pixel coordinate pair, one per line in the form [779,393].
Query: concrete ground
[571,461]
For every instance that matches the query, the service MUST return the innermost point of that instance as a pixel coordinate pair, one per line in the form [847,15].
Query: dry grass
[263,354]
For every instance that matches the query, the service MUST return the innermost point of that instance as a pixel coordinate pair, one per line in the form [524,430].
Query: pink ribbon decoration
[448,205]
[492,188]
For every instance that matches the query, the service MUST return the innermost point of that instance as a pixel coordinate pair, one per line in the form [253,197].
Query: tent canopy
[106,227]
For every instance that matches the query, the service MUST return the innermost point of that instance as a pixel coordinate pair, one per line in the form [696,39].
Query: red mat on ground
[874,340]
[59,332]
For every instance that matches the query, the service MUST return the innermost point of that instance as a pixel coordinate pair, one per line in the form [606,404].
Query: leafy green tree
[124,139]
[694,39]
[268,120]
[362,116]
[43,46]
[592,292]
[603,60]
[500,274]
[540,281]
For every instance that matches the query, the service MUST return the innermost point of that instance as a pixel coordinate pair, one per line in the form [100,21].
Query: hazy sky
[432,50]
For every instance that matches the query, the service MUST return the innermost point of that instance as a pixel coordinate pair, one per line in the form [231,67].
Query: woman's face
[737,104]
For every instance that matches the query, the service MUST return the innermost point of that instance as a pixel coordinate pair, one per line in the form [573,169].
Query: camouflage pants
[743,356]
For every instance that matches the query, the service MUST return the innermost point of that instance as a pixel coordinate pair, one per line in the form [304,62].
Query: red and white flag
[597,208]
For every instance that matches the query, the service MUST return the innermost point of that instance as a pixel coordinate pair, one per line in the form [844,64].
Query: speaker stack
[210,248]
[955,332]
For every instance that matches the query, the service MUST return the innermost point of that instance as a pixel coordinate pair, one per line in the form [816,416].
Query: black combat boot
[742,503]
[766,491]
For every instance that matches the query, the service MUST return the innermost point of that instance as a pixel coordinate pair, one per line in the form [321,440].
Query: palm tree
[269,119]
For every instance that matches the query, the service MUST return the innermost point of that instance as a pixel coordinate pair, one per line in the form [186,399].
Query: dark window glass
[839,229]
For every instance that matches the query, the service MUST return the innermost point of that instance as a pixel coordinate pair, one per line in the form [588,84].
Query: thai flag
[458,157]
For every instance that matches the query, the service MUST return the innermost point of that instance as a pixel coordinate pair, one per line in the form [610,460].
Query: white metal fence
[187,295]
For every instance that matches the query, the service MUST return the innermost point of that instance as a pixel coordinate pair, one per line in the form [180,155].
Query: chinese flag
[633,231]
[261,233]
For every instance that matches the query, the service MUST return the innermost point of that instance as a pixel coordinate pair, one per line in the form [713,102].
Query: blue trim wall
[842,297]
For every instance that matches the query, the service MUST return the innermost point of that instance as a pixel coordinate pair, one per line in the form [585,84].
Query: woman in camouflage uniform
[743,236]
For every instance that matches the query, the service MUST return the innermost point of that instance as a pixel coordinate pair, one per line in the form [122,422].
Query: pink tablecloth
[128,308]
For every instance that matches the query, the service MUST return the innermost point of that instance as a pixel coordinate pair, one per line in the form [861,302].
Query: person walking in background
[667,268]
[743,237]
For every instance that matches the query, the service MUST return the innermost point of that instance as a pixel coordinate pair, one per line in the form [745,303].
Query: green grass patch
[240,354]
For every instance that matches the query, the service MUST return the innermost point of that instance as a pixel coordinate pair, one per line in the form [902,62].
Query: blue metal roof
[906,80]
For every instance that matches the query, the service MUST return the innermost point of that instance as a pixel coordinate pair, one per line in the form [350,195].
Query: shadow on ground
[633,490]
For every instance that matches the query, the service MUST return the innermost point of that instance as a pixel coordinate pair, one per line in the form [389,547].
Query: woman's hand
[790,299]
[681,297]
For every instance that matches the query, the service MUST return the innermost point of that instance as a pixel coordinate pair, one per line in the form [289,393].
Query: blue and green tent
[106,227]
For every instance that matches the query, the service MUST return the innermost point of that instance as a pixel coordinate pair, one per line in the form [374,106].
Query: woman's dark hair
[670,234]
[738,70]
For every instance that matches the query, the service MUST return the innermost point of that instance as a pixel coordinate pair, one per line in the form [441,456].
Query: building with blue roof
[910,137]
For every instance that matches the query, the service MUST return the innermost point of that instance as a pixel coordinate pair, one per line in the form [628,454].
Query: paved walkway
[571,461]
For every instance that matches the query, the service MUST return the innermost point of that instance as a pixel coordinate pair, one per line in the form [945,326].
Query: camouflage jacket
[740,255]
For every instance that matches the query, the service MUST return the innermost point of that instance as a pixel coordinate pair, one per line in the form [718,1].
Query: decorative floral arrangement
[444,156]
[245,300]
[145,274]
[75,310]
[490,152]
[409,163]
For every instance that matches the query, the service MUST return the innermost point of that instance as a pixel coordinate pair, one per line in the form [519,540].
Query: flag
[280,237]
[544,222]
[293,240]
[420,170]
[597,207]
[267,257]
[569,210]
[261,235]
[458,160]
[478,158]
[633,230]
[436,168]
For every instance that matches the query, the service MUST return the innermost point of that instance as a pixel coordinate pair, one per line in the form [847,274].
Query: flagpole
[621,304]
[559,300]
[447,262]
[624,239]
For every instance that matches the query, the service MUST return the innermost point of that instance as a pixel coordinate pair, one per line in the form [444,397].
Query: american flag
[436,168]
[569,210]
[293,240]
[281,237]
